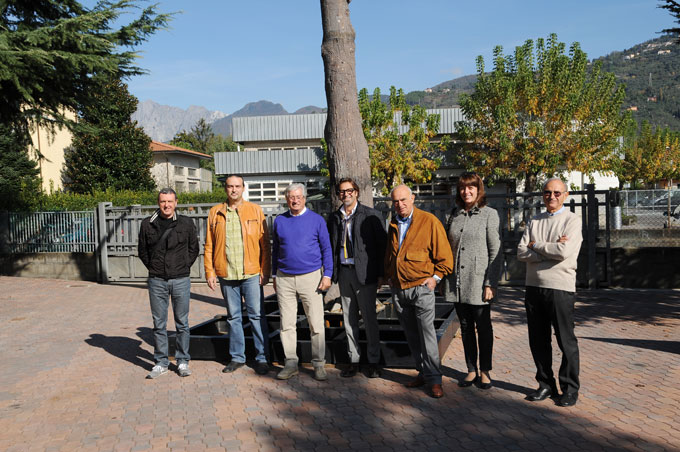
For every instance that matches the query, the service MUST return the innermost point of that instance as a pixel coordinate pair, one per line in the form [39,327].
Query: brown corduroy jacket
[425,251]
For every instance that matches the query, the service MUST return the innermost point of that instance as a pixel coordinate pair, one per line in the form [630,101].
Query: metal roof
[278,127]
[264,162]
[311,126]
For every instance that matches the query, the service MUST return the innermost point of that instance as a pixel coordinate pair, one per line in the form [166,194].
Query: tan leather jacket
[256,247]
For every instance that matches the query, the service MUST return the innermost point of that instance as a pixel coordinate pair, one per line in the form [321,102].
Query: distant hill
[261,108]
[651,72]
[162,122]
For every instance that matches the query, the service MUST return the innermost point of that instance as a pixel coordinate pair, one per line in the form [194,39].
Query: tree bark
[347,147]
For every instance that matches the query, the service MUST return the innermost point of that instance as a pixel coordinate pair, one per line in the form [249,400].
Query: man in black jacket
[358,239]
[168,246]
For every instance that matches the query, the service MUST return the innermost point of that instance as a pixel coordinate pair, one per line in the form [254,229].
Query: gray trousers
[355,296]
[415,309]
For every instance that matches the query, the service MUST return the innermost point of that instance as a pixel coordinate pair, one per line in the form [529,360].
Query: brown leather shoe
[436,391]
[416,382]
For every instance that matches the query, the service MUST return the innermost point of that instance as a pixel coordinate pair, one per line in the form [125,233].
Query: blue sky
[224,54]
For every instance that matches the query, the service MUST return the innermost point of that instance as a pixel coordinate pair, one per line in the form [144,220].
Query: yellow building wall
[51,145]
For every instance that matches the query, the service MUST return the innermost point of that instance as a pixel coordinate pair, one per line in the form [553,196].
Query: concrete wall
[71,266]
[649,268]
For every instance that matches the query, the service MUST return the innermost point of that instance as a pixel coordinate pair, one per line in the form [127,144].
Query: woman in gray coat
[474,237]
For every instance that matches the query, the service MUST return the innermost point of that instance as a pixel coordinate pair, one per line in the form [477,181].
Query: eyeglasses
[349,191]
[296,197]
[547,193]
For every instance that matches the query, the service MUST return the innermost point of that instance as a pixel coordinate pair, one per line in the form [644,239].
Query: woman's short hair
[467,179]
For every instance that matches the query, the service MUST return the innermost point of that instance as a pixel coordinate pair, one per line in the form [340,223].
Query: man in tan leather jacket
[238,255]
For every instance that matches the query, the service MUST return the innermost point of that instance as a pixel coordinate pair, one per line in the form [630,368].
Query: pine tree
[108,149]
[50,51]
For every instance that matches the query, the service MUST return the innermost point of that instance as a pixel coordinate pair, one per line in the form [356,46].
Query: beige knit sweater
[551,264]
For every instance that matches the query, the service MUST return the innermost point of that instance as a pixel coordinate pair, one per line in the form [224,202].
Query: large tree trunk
[347,148]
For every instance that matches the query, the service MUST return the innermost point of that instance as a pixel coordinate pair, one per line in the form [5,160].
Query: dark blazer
[175,255]
[368,240]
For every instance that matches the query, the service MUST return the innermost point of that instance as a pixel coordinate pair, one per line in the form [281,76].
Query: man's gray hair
[167,191]
[410,192]
[294,187]
[566,189]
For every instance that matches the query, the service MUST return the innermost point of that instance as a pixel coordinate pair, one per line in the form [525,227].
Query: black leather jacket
[368,239]
[174,256]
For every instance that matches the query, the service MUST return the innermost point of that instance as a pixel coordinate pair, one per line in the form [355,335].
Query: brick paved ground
[74,357]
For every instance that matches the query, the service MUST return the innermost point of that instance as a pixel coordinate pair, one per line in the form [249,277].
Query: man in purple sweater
[302,265]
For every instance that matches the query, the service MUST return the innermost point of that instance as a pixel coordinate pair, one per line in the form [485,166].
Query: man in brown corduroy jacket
[417,257]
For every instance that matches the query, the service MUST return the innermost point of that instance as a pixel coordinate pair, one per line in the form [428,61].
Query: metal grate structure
[51,232]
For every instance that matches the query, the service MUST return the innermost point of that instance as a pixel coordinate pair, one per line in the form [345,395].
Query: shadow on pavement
[125,348]
[213,300]
[660,346]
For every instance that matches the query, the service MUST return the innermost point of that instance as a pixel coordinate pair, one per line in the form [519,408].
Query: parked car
[662,201]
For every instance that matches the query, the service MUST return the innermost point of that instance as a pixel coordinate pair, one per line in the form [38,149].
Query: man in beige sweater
[550,247]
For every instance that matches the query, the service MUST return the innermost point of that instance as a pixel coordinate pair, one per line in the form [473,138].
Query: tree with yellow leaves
[648,157]
[539,114]
[398,137]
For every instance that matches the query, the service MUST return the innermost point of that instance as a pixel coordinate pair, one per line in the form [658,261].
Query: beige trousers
[288,289]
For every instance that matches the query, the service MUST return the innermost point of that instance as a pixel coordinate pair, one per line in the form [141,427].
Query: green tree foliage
[650,155]
[50,49]
[108,149]
[674,8]
[19,183]
[399,156]
[201,138]
[49,52]
[540,114]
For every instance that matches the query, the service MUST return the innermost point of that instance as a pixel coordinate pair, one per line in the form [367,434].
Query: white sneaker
[157,371]
[183,370]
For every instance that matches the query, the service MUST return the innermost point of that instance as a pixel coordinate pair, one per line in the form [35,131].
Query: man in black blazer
[358,238]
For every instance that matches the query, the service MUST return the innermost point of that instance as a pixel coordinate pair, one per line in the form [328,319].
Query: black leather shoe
[373,371]
[261,368]
[232,366]
[568,399]
[466,384]
[541,394]
[350,371]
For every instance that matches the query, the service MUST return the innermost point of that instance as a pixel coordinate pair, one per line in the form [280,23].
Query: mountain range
[650,71]
[162,122]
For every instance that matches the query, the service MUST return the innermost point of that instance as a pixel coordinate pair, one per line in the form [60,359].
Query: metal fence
[649,218]
[51,232]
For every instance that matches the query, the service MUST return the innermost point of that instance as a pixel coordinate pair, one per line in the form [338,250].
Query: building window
[192,172]
[267,191]
[179,187]
[179,171]
[193,186]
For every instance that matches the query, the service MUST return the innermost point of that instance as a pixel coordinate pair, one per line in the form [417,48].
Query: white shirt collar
[304,209]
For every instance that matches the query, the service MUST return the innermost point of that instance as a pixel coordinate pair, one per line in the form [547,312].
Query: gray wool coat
[475,243]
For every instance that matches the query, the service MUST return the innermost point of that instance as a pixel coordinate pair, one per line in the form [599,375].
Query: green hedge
[72,201]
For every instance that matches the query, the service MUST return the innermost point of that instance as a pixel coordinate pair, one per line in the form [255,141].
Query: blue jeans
[160,292]
[251,291]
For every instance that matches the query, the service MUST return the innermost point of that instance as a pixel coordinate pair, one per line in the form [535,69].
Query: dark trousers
[479,316]
[546,308]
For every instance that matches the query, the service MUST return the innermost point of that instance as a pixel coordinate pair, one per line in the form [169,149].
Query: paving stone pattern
[75,354]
